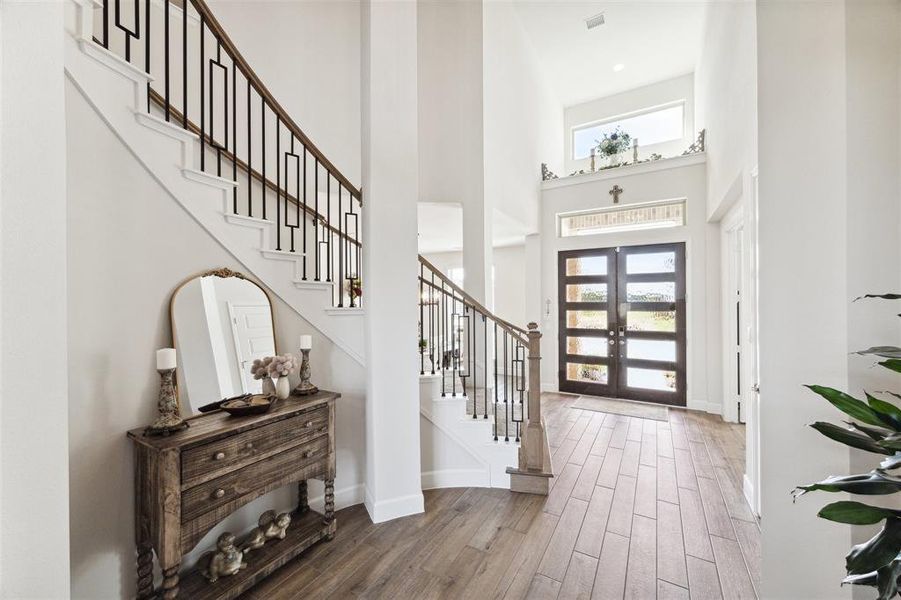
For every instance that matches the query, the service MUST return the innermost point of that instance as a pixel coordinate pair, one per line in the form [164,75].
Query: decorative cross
[615,192]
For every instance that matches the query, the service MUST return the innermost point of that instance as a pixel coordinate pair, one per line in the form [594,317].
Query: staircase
[168,80]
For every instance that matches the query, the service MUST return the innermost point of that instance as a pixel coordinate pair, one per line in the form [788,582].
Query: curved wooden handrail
[517,332]
[216,28]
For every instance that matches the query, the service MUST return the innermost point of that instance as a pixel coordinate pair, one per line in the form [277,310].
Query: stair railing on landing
[477,354]
[202,83]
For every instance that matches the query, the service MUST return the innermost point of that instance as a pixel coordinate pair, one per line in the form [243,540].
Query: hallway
[639,509]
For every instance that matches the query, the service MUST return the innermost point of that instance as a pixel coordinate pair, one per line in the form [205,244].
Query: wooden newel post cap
[532,326]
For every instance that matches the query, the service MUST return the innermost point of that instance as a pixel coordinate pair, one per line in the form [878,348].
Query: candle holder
[169,419]
[305,388]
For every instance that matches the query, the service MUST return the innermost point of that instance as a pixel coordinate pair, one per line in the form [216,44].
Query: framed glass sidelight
[622,322]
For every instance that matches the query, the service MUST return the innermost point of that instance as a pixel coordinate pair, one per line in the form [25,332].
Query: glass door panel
[622,322]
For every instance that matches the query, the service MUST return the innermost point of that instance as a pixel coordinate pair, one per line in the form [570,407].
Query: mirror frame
[224,273]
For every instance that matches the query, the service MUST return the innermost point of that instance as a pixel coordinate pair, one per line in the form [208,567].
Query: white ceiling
[654,40]
[441,228]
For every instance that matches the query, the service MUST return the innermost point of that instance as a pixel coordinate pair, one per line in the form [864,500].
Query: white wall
[726,102]
[308,55]
[648,96]
[391,180]
[682,177]
[129,245]
[34,484]
[804,294]
[509,279]
[523,118]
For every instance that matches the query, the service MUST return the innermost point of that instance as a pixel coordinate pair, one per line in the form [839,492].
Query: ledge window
[652,126]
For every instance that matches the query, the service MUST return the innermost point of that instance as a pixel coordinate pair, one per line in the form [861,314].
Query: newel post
[534,471]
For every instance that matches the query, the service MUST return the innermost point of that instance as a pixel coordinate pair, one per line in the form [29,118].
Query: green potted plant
[875,427]
[612,145]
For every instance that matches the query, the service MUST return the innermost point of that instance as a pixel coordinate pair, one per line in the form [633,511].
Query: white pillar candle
[306,342]
[165,359]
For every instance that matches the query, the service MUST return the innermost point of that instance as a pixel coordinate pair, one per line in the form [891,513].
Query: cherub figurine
[270,527]
[226,560]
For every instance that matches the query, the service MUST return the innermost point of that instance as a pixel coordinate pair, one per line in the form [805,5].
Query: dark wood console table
[189,481]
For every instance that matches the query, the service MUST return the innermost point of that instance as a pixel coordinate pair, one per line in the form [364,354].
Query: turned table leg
[145,571]
[329,515]
[170,583]
[303,504]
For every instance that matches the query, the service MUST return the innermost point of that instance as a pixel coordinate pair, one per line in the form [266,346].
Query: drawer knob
[219,456]
[308,424]
[309,453]
[248,446]
[219,493]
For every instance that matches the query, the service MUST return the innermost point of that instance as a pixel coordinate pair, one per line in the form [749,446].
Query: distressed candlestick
[305,388]
[169,420]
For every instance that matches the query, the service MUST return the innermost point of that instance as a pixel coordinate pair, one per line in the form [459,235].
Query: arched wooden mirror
[221,321]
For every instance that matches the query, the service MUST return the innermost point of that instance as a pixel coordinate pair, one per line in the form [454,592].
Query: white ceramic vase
[614,160]
[282,388]
[268,386]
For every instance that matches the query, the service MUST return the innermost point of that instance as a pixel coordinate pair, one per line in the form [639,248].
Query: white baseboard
[708,407]
[393,508]
[344,497]
[451,478]
[747,489]
[549,387]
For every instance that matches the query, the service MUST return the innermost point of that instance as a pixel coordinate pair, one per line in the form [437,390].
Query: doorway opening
[622,322]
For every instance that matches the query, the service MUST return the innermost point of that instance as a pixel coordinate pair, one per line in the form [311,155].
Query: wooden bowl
[255,405]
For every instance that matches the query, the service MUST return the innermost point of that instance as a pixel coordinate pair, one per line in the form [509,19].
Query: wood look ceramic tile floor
[639,509]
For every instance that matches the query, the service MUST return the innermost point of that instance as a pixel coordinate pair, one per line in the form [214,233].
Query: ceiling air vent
[595,21]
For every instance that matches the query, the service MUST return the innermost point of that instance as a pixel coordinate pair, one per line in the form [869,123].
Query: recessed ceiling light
[619,67]
[595,21]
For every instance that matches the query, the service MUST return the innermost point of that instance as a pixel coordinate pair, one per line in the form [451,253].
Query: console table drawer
[217,458]
[218,492]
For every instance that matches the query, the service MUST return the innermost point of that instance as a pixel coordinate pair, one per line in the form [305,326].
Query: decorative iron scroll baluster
[452,333]
[218,118]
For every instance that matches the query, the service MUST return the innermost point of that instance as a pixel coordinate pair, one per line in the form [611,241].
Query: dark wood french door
[622,322]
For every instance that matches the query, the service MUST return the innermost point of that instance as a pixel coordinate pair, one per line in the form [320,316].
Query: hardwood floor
[639,509]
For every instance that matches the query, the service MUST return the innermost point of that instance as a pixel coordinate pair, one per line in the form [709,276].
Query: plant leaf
[892,462]
[885,579]
[854,408]
[877,552]
[871,578]
[883,296]
[856,513]
[883,351]
[849,437]
[892,442]
[874,433]
[892,364]
[888,412]
[874,483]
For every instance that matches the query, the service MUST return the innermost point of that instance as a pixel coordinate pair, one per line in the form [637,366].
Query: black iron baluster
[432,328]
[299,220]
[495,381]
[106,23]
[147,47]
[249,156]
[455,349]
[202,100]
[263,148]
[128,32]
[506,393]
[340,253]
[303,222]
[475,374]
[184,63]
[165,50]
[352,272]
[328,221]
[421,322]
[485,342]
[234,138]
[443,340]
[316,218]
[278,185]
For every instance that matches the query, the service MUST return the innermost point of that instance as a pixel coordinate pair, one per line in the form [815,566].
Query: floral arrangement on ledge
[616,142]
